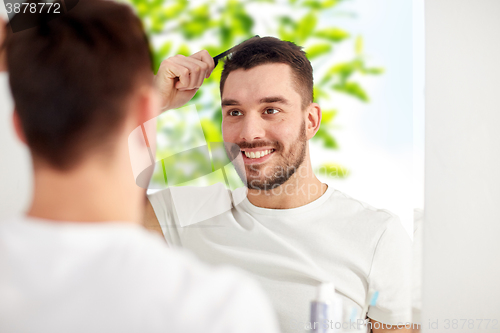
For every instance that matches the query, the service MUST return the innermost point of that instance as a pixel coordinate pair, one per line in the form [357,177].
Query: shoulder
[361,212]
[215,295]
[188,204]
[150,254]
[191,192]
[375,228]
[117,257]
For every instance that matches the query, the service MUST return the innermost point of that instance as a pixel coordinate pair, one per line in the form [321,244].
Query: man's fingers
[196,69]
[190,71]
[172,69]
[205,57]
[199,71]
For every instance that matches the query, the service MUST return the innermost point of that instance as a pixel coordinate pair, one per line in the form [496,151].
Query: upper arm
[150,221]
[390,276]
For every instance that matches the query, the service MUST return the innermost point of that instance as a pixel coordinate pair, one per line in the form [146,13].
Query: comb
[226,53]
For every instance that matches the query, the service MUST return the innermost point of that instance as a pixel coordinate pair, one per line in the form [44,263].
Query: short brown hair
[268,50]
[71,77]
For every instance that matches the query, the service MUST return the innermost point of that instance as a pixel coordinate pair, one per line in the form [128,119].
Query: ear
[18,127]
[147,105]
[144,107]
[313,120]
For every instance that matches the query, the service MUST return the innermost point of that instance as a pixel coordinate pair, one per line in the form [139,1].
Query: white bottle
[326,310]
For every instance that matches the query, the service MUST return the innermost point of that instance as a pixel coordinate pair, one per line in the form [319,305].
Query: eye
[235,113]
[271,111]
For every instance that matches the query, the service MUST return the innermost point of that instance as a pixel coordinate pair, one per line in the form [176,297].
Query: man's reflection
[292,232]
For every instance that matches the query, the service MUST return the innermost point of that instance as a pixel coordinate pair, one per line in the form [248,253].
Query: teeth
[258,154]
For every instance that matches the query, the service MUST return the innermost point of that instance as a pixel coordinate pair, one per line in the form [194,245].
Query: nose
[252,129]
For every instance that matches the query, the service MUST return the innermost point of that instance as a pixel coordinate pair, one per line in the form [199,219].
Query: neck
[300,189]
[95,191]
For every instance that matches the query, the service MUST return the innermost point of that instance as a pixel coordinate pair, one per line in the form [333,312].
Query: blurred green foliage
[184,27]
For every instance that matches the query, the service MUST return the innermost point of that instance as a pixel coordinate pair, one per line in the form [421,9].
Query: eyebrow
[270,99]
[227,102]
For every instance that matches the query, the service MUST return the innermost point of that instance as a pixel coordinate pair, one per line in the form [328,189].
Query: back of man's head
[269,50]
[71,79]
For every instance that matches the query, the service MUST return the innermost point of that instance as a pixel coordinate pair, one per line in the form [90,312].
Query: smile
[258,154]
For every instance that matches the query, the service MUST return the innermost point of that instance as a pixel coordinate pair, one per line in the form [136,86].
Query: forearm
[378,327]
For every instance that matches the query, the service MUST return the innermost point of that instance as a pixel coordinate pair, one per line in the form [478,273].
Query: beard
[266,177]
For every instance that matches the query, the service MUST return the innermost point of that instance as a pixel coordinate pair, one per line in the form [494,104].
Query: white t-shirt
[362,250]
[116,277]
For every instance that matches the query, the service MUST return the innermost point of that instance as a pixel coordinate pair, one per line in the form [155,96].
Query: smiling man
[287,228]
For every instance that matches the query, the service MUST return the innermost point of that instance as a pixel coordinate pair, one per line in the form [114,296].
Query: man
[79,261]
[292,232]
